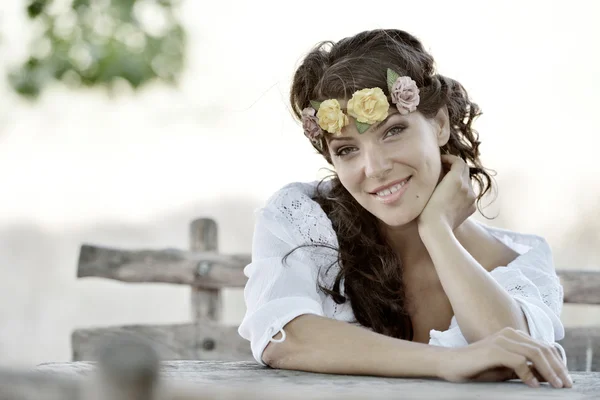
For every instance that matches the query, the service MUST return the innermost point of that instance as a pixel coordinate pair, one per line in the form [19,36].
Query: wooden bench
[207,272]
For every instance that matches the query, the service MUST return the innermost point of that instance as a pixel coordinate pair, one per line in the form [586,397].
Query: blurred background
[123,120]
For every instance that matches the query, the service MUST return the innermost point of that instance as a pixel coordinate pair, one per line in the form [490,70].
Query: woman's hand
[453,199]
[508,354]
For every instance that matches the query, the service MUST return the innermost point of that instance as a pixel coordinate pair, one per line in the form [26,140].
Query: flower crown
[367,106]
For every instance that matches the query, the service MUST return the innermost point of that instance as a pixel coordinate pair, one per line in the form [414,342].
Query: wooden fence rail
[217,271]
[199,269]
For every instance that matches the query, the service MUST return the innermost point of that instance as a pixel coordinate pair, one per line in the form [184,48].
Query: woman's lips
[393,197]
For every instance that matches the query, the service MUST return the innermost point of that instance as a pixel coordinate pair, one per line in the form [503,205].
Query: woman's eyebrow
[334,138]
[379,124]
[374,127]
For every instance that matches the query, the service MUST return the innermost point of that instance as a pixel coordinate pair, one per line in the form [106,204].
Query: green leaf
[391,79]
[109,59]
[36,7]
[315,104]
[362,127]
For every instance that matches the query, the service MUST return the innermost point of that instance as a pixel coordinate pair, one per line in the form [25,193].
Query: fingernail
[535,382]
[557,382]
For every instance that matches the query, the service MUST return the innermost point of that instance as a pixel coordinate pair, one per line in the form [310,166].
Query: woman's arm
[481,305]
[319,344]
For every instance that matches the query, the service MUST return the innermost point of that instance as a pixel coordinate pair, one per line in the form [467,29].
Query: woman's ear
[442,124]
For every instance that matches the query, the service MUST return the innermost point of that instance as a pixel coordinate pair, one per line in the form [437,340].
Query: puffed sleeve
[278,291]
[532,281]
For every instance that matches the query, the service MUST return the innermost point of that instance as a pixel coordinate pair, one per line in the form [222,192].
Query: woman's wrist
[443,361]
[430,230]
[432,364]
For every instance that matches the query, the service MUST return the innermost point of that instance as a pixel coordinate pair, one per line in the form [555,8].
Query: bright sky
[78,157]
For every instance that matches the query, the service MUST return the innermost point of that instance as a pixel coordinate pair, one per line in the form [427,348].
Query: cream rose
[405,94]
[331,117]
[369,105]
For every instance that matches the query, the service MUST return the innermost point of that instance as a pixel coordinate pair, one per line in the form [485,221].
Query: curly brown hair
[370,269]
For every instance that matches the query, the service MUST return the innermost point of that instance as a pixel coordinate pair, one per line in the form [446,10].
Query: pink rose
[405,94]
[310,123]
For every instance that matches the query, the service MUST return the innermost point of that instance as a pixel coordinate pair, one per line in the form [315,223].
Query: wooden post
[206,303]
[128,369]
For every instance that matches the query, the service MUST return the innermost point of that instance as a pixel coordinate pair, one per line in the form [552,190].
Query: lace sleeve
[294,207]
[276,292]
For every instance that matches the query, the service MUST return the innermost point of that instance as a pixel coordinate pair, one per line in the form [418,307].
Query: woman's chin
[396,214]
[396,218]
[397,223]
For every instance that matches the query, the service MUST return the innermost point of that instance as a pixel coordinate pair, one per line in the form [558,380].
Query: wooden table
[244,380]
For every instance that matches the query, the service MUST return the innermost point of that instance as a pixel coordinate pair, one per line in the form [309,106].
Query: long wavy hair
[370,270]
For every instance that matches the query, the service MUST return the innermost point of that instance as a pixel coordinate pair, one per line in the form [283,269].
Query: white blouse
[276,293]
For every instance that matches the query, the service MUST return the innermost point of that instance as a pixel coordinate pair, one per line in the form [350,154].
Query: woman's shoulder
[296,197]
[519,241]
[298,190]
[293,207]
[533,250]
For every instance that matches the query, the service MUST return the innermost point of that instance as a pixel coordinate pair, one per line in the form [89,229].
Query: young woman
[387,242]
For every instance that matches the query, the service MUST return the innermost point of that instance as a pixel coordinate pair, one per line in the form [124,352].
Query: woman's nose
[377,164]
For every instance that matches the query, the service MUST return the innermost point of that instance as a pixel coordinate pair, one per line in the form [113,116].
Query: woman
[387,244]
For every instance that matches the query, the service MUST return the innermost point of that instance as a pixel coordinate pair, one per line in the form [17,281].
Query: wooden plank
[205,341]
[198,269]
[582,346]
[37,385]
[248,380]
[204,268]
[207,303]
[580,286]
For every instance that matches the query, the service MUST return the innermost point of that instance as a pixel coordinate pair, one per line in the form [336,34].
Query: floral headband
[367,106]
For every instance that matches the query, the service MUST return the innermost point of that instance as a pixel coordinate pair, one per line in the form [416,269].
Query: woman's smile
[392,193]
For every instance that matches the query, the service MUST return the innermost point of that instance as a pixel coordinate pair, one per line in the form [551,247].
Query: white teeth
[393,189]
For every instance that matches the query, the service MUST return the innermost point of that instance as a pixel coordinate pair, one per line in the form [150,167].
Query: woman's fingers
[518,363]
[558,355]
[511,354]
[552,356]
[534,371]
[525,352]
[498,374]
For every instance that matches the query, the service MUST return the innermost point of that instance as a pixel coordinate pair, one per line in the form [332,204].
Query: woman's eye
[343,151]
[396,130]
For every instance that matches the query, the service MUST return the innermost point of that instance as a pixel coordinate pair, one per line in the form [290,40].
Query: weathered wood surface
[200,269]
[243,380]
[580,286]
[204,341]
[30,385]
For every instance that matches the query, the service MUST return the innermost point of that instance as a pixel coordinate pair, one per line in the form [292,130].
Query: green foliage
[99,42]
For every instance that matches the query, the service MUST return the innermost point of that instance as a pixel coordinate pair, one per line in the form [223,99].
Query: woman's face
[392,168]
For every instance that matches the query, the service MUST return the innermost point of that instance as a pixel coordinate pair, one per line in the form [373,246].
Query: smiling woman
[387,242]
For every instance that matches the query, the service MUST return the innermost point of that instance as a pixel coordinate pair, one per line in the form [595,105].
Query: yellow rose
[331,117]
[368,106]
